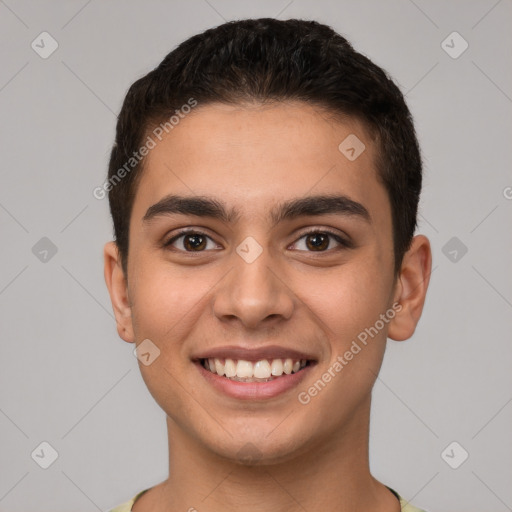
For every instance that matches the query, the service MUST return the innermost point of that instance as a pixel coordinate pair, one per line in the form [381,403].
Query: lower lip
[254,390]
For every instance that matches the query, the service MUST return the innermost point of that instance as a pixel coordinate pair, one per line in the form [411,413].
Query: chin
[258,448]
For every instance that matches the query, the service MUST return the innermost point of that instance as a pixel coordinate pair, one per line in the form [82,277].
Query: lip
[252,354]
[253,390]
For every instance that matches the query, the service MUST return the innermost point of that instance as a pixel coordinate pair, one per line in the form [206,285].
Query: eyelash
[343,242]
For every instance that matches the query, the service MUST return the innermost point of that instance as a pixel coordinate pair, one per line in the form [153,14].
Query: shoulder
[127,506]
[405,506]
[408,507]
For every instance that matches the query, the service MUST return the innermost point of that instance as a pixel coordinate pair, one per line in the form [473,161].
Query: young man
[264,186]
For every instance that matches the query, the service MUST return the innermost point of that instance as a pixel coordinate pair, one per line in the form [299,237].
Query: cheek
[348,310]
[164,310]
[161,300]
[347,301]
[168,303]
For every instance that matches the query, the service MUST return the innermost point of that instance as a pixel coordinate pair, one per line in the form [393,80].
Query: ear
[118,290]
[411,288]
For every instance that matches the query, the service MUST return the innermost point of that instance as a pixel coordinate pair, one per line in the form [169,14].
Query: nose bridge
[253,290]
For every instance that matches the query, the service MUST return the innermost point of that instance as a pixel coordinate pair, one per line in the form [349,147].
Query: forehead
[253,156]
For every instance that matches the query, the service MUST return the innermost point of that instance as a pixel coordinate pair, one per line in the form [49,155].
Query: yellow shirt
[404,504]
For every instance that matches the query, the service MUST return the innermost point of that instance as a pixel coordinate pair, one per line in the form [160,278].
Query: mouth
[263,370]
[253,374]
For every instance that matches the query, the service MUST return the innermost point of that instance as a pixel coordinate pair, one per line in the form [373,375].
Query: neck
[330,474]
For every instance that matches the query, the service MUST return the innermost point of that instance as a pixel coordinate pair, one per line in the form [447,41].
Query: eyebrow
[202,206]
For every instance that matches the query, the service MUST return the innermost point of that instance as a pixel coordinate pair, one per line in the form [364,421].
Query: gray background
[67,379]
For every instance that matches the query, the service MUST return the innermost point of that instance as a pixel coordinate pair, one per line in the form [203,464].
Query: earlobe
[411,288]
[118,290]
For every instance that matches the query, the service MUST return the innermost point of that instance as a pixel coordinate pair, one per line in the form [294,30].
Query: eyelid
[186,231]
[343,240]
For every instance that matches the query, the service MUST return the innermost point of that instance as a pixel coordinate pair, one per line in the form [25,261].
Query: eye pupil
[317,241]
[194,242]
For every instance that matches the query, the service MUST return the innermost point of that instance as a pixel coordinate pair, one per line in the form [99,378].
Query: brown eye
[194,242]
[317,241]
[320,241]
[191,242]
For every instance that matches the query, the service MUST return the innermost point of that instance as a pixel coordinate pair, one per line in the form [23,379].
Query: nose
[253,293]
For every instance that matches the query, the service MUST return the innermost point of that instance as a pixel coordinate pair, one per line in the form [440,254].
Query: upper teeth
[263,369]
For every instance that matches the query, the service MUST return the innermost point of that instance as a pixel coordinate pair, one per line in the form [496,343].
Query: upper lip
[253,354]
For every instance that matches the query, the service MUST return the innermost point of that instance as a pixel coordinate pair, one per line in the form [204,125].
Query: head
[249,133]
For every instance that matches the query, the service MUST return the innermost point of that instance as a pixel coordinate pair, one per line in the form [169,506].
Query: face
[259,256]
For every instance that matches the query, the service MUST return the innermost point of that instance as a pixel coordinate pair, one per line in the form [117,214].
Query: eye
[191,241]
[319,241]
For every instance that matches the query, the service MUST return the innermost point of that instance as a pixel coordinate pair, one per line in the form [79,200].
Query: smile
[264,370]
[253,373]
